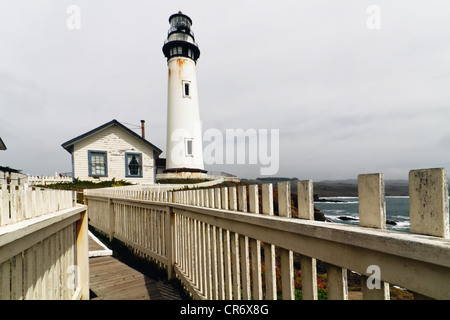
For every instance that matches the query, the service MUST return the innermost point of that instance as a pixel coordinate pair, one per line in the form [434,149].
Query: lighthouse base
[184,170]
[183,174]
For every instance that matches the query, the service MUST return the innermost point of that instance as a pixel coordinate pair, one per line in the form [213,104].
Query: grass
[80,185]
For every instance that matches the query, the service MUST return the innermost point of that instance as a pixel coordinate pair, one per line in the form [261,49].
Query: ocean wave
[334,211]
[397,197]
[342,218]
[337,203]
[402,224]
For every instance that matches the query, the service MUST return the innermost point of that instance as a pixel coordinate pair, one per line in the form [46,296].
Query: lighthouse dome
[180,39]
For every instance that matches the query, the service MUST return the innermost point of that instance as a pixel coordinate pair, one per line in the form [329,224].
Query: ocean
[336,208]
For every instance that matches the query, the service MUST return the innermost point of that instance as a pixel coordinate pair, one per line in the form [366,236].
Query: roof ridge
[68,144]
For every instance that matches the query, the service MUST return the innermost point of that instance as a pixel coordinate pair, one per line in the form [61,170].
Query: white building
[113,151]
[184,151]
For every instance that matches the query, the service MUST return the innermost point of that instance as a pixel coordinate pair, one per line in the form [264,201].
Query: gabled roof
[2,145]
[69,144]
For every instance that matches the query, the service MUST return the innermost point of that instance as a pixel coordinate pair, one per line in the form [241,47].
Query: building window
[133,165]
[97,164]
[186,89]
[188,145]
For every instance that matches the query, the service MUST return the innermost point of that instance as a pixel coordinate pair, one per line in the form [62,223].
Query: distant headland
[337,188]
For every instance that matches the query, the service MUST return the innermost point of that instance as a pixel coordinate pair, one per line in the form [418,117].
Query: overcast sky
[353,86]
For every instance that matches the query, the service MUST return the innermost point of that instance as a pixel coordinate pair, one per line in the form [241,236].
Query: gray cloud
[346,99]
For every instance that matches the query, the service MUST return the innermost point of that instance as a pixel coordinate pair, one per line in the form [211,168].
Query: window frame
[127,171]
[105,167]
[186,141]
[187,83]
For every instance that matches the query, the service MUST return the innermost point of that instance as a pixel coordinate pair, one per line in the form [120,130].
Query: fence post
[428,205]
[372,213]
[372,205]
[428,202]
[82,247]
[305,198]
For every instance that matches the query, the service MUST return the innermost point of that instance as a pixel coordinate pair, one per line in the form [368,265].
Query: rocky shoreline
[346,218]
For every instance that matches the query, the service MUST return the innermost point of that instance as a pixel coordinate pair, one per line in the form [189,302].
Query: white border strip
[99,253]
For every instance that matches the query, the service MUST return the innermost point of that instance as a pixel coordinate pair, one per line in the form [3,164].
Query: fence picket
[286,256]
[337,283]
[269,249]
[244,247]
[5,280]
[255,247]
[308,265]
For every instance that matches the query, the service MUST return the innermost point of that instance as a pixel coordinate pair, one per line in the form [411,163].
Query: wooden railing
[227,243]
[43,245]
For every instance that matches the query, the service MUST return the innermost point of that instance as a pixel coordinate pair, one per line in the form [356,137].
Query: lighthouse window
[189,152]
[186,89]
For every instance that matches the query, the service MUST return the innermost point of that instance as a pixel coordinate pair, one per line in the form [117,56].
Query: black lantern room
[180,39]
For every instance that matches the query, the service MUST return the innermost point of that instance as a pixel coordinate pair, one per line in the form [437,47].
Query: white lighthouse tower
[184,133]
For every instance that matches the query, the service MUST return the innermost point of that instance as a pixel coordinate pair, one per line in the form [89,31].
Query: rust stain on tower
[180,63]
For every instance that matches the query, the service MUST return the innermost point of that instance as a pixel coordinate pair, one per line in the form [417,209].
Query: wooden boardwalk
[111,279]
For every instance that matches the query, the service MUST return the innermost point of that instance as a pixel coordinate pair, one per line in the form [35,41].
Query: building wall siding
[116,142]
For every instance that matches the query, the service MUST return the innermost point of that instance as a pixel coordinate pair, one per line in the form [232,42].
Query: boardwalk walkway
[111,279]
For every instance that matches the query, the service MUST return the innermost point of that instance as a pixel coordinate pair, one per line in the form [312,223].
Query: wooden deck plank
[111,279]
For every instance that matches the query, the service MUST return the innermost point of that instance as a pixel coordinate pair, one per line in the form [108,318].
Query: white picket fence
[43,244]
[21,179]
[13,178]
[19,203]
[46,180]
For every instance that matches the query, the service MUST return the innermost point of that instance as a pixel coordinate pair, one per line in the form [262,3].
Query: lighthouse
[184,134]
